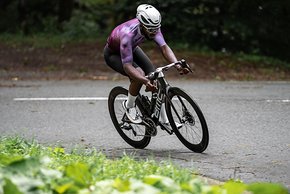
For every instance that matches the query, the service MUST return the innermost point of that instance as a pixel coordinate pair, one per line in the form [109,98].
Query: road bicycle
[180,108]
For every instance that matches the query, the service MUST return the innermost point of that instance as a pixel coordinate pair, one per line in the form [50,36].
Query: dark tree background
[255,27]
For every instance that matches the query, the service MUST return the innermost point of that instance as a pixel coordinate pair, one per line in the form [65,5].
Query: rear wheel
[182,109]
[134,134]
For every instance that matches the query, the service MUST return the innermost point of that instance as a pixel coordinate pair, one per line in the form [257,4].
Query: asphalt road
[249,124]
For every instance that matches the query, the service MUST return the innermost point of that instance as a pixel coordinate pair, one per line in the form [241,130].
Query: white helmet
[149,16]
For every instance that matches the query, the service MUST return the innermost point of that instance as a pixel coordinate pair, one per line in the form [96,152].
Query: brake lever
[185,65]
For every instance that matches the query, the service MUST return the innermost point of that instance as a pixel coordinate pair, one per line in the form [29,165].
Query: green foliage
[266,188]
[253,27]
[10,11]
[81,25]
[36,169]
[36,16]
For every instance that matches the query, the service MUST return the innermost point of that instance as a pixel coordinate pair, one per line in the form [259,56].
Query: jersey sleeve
[126,49]
[159,39]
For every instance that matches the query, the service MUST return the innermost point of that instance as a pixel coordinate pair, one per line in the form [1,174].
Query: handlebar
[153,75]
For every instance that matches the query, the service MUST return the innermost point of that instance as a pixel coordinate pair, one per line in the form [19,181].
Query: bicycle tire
[116,97]
[192,120]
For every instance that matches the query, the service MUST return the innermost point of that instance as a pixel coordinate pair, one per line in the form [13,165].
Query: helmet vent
[144,20]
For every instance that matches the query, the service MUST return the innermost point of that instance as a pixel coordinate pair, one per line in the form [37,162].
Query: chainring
[151,128]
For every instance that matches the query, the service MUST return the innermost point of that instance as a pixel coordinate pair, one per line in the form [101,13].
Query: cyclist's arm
[168,53]
[165,49]
[171,58]
[127,60]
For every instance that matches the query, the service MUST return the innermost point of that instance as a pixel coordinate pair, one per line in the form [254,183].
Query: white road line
[284,101]
[63,99]
[67,99]
[99,99]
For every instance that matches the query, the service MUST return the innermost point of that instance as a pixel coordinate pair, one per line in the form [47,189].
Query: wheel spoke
[193,134]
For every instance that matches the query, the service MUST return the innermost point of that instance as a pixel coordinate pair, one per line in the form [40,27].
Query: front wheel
[135,135]
[180,108]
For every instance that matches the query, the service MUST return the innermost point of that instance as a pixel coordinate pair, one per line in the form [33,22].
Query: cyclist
[123,55]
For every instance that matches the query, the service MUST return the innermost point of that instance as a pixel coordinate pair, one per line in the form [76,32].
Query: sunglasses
[151,30]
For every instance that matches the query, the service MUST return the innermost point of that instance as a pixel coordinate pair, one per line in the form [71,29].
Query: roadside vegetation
[28,167]
[55,41]
[58,56]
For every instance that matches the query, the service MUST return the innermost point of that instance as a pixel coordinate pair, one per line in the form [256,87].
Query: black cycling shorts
[140,59]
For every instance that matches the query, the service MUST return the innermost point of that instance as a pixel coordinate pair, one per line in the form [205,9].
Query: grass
[28,167]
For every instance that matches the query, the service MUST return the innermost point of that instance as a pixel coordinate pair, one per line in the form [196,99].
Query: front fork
[186,115]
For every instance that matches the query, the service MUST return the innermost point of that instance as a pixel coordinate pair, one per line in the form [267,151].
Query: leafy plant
[33,168]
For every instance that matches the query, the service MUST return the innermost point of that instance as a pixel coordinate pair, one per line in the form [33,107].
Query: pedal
[126,126]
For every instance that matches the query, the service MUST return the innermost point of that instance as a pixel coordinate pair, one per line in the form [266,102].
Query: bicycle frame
[153,109]
[159,97]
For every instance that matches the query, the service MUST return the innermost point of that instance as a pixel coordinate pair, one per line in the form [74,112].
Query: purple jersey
[127,36]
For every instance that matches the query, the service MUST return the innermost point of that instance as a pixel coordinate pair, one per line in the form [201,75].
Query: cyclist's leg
[113,60]
[135,85]
[143,64]
[143,61]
